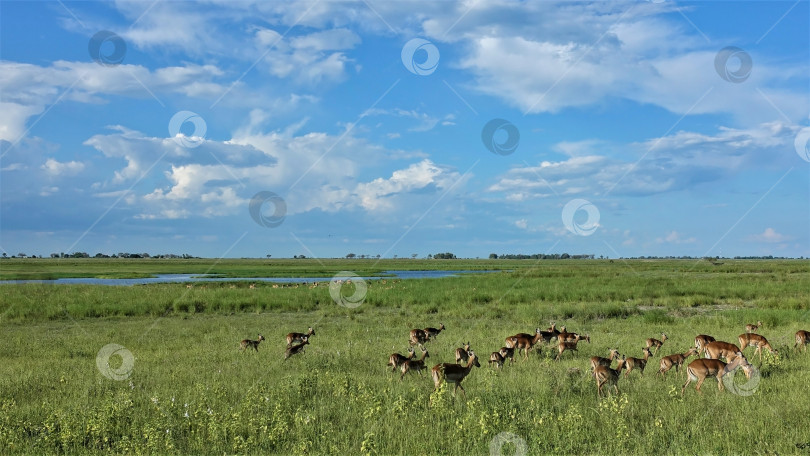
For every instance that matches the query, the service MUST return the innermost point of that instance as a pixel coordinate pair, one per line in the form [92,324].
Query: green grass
[190,390]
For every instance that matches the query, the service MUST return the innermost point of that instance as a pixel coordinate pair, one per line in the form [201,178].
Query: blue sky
[642,128]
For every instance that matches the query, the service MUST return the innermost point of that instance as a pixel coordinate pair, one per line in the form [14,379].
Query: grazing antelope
[656,343]
[461,353]
[251,343]
[565,345]
[755,340]
[417,337]
[526,343]
[431,333]
[571,337]
[676,360]
[497,358]
[396,359]
[719,349]
[414,364]
[606,375]
[701,341]
[749,328]
[298,337]
[295,349]
[453,373]
[699,369]
[599,361]
[507,353]
[637,363]
[802,339]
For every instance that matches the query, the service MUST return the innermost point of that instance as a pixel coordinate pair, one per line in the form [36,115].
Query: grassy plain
[190,390]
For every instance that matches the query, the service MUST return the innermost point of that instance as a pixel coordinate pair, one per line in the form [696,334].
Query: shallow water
[183,278]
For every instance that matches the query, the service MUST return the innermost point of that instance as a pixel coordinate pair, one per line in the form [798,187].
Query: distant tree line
[541,256]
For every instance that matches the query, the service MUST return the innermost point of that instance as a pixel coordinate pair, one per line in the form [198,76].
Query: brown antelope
[251,343]
[656,343]
[599,361]
[699,369]
[552,332]
[566,346]
[511,341]
[719,349]
[461,353]
[701,341]
[676,360]
[637,363]
[571,337]
[526,343]
[507,353]
[431,333]
[749,328]
[295,349]
[802,339]
[414,364]
[606,375]
[298,337]
[252,286]
[396,359]
[453,373]
[755,340]
[417,337]
[497,358]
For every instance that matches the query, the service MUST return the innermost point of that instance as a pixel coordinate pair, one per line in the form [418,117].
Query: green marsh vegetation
[190,390]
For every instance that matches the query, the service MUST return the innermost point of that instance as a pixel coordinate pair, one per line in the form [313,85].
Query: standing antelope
[599,361]
[749,328]
[606,375]
[295,349]
[396,359]
[417,337]
[299,337]
[526,343]
[414,364]
[453,373]
[565,345]
[497,358]
[552,332]
[507,353]
[755,340]
[640,363]
[461,353]
[656,343]
[431,333]
[802,339]
[701,341]
[719,349]
[676,360]
[699,369]
[251,343]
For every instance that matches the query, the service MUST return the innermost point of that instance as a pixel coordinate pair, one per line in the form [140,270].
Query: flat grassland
[187,388]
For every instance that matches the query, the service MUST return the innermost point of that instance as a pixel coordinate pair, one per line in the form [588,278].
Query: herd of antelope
[707,348]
